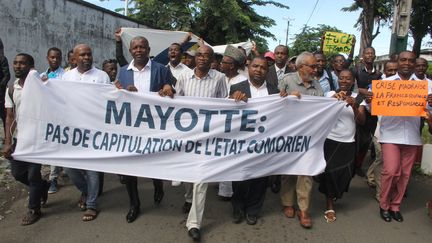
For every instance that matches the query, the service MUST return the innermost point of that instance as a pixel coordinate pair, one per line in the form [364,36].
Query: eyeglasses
[311,66]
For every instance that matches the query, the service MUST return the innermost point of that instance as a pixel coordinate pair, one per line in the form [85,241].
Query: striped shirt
[212,85]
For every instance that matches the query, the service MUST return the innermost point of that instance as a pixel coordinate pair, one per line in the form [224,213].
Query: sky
[326,12]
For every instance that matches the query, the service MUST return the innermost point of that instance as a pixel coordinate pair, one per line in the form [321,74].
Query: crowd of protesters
[393,141]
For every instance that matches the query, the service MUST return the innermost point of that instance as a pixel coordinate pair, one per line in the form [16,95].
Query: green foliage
[382,11]
[217,22]
[310,39]
[421,22]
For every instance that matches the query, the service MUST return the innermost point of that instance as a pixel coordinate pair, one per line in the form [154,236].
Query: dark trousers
[30,175]
[131,183]
[248,196]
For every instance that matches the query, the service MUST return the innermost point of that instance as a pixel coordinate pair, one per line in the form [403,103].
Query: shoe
[158,194]
[186,207]
[53,187]
[195,234]
[385,215]
[275,183]
[237,216]
[396,215]
[289,211]
[251,219]
[31,217]
[132,214]
[305,220]
[359,172]
[44,196]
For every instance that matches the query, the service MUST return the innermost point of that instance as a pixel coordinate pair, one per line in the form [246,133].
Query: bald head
[83,57]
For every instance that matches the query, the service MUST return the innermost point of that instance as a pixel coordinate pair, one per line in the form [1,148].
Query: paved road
[357,218]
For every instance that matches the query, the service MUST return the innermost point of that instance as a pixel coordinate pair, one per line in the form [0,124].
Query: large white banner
[98,127]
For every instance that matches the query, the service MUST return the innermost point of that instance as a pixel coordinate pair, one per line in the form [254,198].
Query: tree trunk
[417,43]
[367,24]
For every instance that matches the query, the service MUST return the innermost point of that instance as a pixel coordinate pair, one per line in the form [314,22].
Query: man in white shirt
[175,65]
[143,75]
[399,138]
[25,172]
[200,82]
[85,180]
[248,197]
[421,66]
[230,64]
[85,72]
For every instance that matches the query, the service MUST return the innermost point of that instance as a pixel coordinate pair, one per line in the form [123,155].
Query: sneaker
[53,187]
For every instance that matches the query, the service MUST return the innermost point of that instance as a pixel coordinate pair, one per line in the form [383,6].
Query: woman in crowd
[339,147]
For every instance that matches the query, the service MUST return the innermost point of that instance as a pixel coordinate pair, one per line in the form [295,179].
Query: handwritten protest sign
[337,42]
[399,97]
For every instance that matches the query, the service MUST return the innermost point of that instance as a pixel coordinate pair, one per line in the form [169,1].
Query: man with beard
[200,82]
[364,73]
[279,69]
[300,187]
[143,75]
[85,180]
[248,196]
[324,77]
[54,71]
[230,65]
[24,172]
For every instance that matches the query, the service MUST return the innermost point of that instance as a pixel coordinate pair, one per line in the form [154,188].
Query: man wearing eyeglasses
[199,82]
[302,82]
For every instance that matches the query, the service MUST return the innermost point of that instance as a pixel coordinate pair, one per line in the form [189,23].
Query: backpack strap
[330,80]
[11,91]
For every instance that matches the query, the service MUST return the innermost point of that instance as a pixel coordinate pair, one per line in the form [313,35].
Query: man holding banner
[25,172]
[143,75]
[86,181]
[200,82]
[293,186]
[248,196]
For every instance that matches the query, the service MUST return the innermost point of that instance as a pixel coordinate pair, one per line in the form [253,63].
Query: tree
[310,39]
[373,11]
[420,23]
[218,22]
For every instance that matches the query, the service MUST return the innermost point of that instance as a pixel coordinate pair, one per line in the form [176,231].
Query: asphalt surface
[357,218]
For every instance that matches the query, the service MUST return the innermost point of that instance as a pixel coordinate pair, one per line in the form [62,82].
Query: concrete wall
[33,26]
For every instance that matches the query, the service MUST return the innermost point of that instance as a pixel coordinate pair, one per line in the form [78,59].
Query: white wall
[33,26]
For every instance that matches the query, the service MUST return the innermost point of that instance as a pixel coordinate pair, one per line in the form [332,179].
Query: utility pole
[287,30]
[399,37]
[126,7]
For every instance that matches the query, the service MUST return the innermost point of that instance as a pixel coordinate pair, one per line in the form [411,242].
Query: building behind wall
[33,26]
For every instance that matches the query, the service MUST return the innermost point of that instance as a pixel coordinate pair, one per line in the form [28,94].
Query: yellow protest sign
[337,42]
[399,97]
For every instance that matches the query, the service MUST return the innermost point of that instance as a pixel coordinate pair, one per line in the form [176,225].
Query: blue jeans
[30,175]
[87,182]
